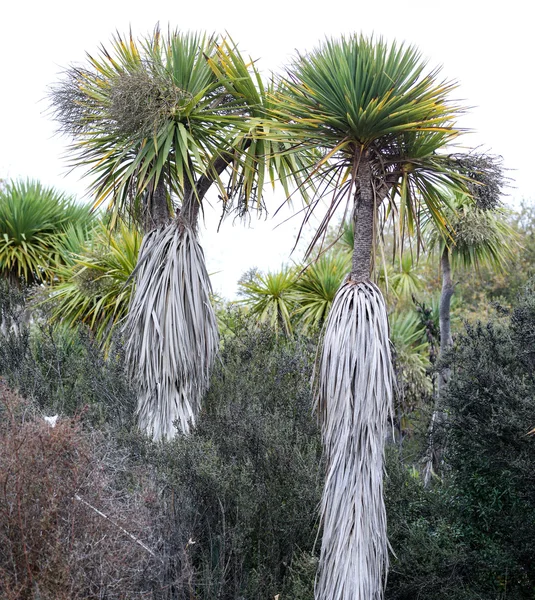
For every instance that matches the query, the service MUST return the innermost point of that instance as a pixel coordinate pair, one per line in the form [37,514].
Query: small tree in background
[95,286]
[478,233]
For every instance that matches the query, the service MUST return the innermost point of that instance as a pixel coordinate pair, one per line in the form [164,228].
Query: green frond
[175,109]
[37,226]
[407,335]
[367,91]
[95,287]
[316,288]
[271,297]
[357,97]
[405,277]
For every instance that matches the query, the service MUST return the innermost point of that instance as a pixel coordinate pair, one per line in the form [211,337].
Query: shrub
[491,399]
[63,370]
[57,484]
[428,550]
[471,535]
[242,490]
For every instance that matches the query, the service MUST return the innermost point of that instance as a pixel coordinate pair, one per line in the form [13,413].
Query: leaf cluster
[95,286]
[38,227]
[178,109]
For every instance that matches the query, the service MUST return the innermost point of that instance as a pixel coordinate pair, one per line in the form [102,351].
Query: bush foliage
[230,511]
[57,485]
[244,486]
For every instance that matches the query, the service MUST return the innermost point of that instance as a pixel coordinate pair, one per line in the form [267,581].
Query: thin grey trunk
[435,447]
[446,340]
[365,223]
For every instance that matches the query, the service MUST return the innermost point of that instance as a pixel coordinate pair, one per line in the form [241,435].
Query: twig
[130,535]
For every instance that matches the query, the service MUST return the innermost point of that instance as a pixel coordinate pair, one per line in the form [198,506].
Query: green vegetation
[95,285]
[231,509]
[137,490]
[38,228]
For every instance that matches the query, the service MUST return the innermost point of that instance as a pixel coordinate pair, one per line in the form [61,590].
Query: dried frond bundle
[354,390]
[485,173]
[171,331]
[141,102]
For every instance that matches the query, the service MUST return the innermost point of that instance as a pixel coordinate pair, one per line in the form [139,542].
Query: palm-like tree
[37,224]
[157,123]
[271,297]
[316,288]
[94,287]
[478,233]
[474,236]
[379,119]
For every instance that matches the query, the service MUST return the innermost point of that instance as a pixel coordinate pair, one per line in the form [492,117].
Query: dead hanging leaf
[532,432]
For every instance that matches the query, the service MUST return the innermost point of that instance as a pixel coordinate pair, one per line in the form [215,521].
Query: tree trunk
[156,209]
[354,398]
[189,213]
[361,268]
[435,447]
[446,340]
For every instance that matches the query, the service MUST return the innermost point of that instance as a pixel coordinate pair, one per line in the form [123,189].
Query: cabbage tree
[158,123]
[380,119]
[477,234]
[37,227]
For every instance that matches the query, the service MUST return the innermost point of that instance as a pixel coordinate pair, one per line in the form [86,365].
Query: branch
[131,536]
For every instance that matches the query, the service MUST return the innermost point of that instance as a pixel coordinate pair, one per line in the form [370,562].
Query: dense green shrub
[245,485]
[63,370]
[471,536]
[491,399]
[428,550]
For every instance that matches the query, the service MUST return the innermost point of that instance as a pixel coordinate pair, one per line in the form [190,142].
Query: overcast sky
[487,47]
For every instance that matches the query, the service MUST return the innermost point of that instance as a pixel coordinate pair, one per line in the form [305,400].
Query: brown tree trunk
[361,268]
[156,209]
[193,196]
[189,213]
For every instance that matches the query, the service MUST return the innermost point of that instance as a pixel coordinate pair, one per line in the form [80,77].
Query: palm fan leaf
[271,298]
[171,331]
[354,393]
[95,286]
[317,287]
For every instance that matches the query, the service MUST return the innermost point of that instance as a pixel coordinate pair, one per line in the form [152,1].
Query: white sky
[487,46]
